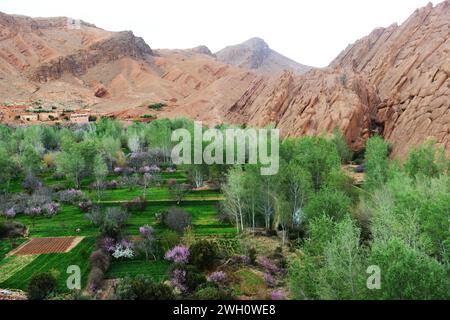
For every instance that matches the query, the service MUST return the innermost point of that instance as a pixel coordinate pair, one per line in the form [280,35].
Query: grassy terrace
[16,271]
[55,263]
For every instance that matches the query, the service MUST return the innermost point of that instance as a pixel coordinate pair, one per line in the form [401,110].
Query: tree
[427,160]
[178,191]
[318,156]
[147,244]
[30,160]
[100,173]
[147,181]
[7,168]
[177,219]
[234,193]
[71,164]
[377,164]
[41,286]
[296,186]
[341,146]
[407,273]
[334,204]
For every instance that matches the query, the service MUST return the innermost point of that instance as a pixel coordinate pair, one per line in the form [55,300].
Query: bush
[31,183]
[168,239]
[71,196]
[213,293]
[11,229]
[101,260]
[203,254]
[187,278]
[141,288]
[95,279]
[41,286]
[177,219]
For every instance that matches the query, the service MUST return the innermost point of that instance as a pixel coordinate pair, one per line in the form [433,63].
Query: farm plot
[56,263]
[47,245]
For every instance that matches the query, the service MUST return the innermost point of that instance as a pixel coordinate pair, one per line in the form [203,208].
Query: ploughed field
[68,238]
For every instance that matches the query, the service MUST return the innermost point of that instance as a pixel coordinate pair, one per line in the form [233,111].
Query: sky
[312,32]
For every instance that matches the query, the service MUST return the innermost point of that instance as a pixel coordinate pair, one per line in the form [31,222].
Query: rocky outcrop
[255,54]
[315,103]
[410,67]
[123,44]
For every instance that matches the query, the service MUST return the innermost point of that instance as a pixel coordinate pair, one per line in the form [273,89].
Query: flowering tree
[147,245]
[33,213]
[179,254]
[123,250]
[51,209]
[10,213]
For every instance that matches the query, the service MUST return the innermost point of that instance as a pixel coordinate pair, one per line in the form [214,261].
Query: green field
[71,221]
[55,263]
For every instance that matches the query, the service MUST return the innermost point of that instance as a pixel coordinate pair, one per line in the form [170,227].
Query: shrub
[71,196]
[269,280]
[141,288]
[278,295]
[203,254]
[168,239]
[177,219]
[268,265]
[51,209]
[95,279]
[41,286]
[179,254]
[213,293]
[99,259]
[186,278]
[217,277]
[11,229]
[85,206]
[31,183]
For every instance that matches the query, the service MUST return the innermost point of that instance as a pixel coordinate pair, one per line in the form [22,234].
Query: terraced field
[46,255]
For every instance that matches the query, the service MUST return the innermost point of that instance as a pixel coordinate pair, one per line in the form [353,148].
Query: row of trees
[393,243]
[310,180]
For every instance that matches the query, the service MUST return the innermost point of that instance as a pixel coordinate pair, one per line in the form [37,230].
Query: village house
[80,118]
[51,116]
[29,117]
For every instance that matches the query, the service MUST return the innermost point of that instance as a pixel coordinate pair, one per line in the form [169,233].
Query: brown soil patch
[47,245]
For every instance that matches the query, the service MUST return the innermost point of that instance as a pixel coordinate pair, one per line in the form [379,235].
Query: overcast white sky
[312,32]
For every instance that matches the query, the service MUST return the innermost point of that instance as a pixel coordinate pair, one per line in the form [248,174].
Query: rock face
[315,103]
[255,54]
[410,67]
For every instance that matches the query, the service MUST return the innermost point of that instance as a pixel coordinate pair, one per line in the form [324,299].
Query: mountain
[255,54]
[394,82]
[410,67]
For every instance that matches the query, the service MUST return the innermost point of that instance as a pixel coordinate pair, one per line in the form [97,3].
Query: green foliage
[427,160]
[41,286]
[377,165]
[213,293]
[334,204]
[142,288]
[407,273]
[342,148]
